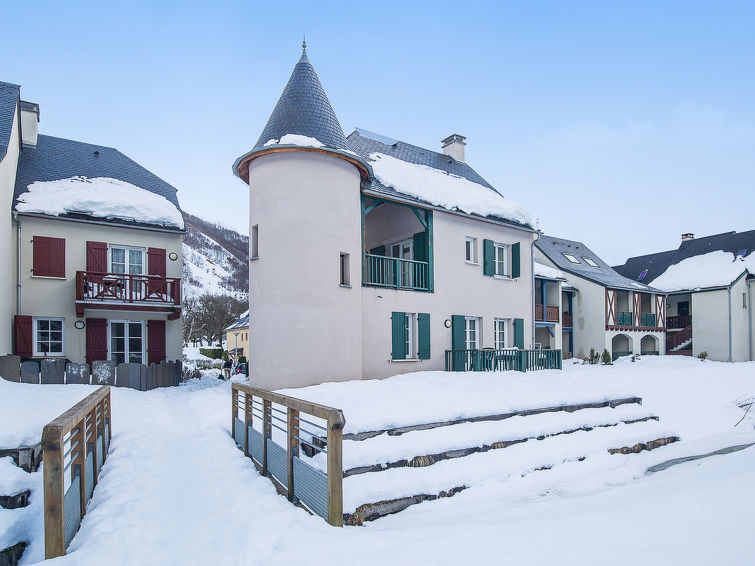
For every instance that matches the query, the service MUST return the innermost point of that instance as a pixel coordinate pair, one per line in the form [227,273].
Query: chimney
[688,236]
[453,146]
[29,122]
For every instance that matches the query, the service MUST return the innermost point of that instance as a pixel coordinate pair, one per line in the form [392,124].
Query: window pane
[135,345]
[56,336]
[135,261]
[56,325]
[44,347]
[45,336]
[56,347]
[117,260]
[43,324]
[135,329]
[118,358]
[135,358]
[116,329]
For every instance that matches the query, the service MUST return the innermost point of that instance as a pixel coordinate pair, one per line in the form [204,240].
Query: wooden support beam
[335,473]
[55,537]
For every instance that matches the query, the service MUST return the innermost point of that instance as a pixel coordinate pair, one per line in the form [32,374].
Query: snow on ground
[714,269]
[101,197]
[176,490]
[443,189]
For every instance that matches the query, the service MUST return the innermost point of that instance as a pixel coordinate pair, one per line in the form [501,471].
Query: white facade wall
[460,289]
[710,324]
[306,328]
[740,328]
[56,297]
[8,240]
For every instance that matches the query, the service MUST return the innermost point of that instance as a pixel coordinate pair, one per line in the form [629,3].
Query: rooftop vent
[688,236]
[453,146]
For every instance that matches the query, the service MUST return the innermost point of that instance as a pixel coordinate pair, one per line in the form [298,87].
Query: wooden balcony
[384,271]
[679,321]
[119,291]
[544,313]
[566,319]
[502,360]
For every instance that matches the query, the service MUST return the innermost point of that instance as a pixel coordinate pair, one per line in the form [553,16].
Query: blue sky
[621,124]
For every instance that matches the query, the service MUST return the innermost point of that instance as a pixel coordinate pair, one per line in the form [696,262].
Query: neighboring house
[95,242]
[236,336]
[553,307]
[608,310]
[370,256]
[710,283]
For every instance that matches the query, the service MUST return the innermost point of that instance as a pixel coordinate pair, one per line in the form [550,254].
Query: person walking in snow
[227,366]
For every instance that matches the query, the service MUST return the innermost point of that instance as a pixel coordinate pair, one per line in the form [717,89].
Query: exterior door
[126,341]
[683,308]
[128,261]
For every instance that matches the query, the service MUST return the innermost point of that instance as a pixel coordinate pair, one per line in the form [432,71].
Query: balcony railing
[624,319]
[679,321]
[546,314]
[383,271]
[126,288]
[647,319]
[566,319]
[502,360]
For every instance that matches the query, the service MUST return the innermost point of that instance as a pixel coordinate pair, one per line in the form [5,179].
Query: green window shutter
[519,333]
[423,324]
[420,246]
[516,254]
[488,255]
[380,250]
[458,332]
[398,351]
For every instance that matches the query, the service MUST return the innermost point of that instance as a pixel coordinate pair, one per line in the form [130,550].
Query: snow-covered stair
[16,515]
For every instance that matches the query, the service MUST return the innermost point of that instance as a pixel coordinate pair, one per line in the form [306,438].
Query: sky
[619,124]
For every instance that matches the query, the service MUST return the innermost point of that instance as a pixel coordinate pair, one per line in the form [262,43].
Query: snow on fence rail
[270,429]
[103,372]
[74,448]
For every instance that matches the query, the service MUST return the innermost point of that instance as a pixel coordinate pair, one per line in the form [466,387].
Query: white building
[91,248]
[608,311]
[372,257]
[709,282]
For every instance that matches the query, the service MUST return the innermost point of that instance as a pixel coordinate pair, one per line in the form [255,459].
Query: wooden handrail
[91,410]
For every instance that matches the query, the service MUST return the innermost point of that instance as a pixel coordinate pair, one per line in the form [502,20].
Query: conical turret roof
[304,109]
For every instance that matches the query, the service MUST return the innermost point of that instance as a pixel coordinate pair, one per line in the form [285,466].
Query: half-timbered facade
[607,311]
[96,253]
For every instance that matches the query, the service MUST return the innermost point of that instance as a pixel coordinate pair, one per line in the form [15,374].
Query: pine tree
[606,358]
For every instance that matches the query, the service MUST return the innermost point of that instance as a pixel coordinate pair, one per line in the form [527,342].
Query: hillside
[216,260]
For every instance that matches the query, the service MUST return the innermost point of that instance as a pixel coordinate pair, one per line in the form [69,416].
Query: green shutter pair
[398,350]
[488,266]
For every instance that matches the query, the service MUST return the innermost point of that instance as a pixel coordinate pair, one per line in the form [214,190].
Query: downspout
[749,306]
[18,263]
[731,357]
[532,271]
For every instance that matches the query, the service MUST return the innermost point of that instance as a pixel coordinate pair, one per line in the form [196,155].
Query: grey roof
[58,158]
[363,143]
[658,263]
[241,322]
[304,109]
[9,97]
[554,249]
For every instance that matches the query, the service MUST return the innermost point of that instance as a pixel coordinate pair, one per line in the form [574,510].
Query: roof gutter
[180,231]
[18,263]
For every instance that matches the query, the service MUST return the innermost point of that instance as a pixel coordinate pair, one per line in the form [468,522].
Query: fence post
[293,448]
[266,410]
[247,420]
[81,461]
[335,469]
[234,410]
[52,447]
[93,416]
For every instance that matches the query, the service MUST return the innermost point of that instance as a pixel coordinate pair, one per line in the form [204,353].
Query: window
[410,338]
[589,261]
[501,267]
[126,260]
[570,257]
[48,337]
[344,270]
[471,333]
[643,274]
[499,326]
[49,257]
[127,341]
[471,250]
[409,335]
[403,250]
[255,242]
[741,254]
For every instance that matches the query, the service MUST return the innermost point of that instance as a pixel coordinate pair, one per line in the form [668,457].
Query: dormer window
[741,254]
[570,257]
[590,262]
[643,274]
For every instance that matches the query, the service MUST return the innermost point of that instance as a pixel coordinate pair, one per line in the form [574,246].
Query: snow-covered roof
[714,269]
[101,197]
[295,139]
[241,322]
[426,176]
[8,100]
[542,270]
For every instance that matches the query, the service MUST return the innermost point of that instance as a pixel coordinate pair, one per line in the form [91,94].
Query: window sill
[49,356]
[503,277]
[254,258]
[48,277]
[345,286]
[472,262]
[406,360]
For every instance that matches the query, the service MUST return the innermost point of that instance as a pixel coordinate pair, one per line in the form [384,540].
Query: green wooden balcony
[647,319]
[502,360]
[624,319]
[383,271]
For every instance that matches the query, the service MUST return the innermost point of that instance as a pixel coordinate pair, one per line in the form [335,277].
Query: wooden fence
[74,448]
[260,417]
[103,372]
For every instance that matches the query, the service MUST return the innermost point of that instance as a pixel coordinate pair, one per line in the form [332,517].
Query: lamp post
[236,349]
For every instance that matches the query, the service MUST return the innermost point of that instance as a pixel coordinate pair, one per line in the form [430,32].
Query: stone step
[12,555]
[16,501]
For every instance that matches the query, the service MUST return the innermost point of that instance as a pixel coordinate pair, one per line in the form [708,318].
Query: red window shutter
[49,256]
[156,261]
[97,257]
[24,336]
[96,340]
[155,341]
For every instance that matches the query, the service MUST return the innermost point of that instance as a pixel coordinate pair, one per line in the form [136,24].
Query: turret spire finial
[304,42]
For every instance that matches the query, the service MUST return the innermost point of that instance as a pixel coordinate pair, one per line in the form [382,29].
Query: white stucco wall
[305,327]
[7,241]
[740,339]
[710,324]
[54,297]
[460,289]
